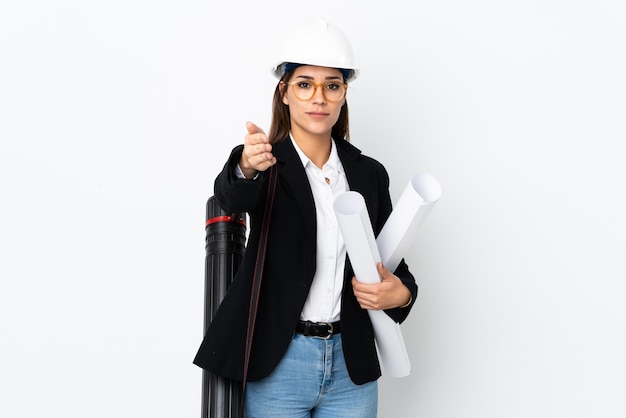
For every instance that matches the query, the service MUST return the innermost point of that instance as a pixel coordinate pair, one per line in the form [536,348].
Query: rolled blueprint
[415,203]
[361,246]
[365,252]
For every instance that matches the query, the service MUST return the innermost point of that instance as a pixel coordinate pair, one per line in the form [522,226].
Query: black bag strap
[257,276]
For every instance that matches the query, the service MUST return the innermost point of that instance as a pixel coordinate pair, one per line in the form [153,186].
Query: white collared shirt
[324,301]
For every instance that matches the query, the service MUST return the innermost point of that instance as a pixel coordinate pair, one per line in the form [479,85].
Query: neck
[316,148]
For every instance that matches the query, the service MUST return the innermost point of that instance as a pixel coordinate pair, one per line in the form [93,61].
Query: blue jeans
[311,380]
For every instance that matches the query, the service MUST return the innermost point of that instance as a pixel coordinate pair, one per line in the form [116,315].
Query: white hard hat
[317,43]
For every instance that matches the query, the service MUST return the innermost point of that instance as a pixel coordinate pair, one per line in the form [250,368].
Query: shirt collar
[333,160]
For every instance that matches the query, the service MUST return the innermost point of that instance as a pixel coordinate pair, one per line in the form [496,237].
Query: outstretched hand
[389,293]
[257,152]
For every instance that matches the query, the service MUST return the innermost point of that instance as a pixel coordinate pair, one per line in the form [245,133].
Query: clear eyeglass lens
[333,91]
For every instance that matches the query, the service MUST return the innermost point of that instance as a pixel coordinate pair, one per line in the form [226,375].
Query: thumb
[384,273]
[253,129]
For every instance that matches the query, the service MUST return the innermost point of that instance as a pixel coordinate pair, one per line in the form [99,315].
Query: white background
[116,116]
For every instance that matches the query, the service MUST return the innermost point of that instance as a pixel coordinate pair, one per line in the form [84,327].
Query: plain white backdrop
[116,116]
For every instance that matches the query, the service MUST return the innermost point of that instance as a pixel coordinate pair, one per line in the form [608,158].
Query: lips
[317,115]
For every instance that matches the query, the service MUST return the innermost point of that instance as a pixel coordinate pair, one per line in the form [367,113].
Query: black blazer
[290,266]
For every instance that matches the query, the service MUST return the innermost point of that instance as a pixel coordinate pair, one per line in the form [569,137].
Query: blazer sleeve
[236,195]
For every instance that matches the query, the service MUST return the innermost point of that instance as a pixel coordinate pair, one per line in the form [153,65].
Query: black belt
[318,329]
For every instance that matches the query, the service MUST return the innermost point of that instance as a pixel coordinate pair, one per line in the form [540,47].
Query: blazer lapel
[292,176]
[348,154]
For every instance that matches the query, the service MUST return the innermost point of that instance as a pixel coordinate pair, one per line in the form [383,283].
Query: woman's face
[317,115]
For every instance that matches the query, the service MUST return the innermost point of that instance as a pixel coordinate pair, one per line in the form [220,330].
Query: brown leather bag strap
[257,276]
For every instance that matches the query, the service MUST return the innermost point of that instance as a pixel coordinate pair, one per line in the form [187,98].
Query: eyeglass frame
[315,86]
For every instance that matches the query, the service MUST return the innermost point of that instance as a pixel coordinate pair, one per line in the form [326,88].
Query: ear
[283,92]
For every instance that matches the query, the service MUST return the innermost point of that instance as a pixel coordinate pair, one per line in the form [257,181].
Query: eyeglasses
[333,91]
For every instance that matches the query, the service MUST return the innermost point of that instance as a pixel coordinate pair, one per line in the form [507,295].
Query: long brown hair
[281,120]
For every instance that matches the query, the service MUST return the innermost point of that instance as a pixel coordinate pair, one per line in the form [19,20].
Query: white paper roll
[358,235]
[365,252]
[415,203]
[361,246]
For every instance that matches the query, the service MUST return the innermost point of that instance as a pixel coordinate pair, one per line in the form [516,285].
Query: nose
[318,94]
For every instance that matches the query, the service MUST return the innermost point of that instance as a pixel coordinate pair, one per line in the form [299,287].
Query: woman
[313,352]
